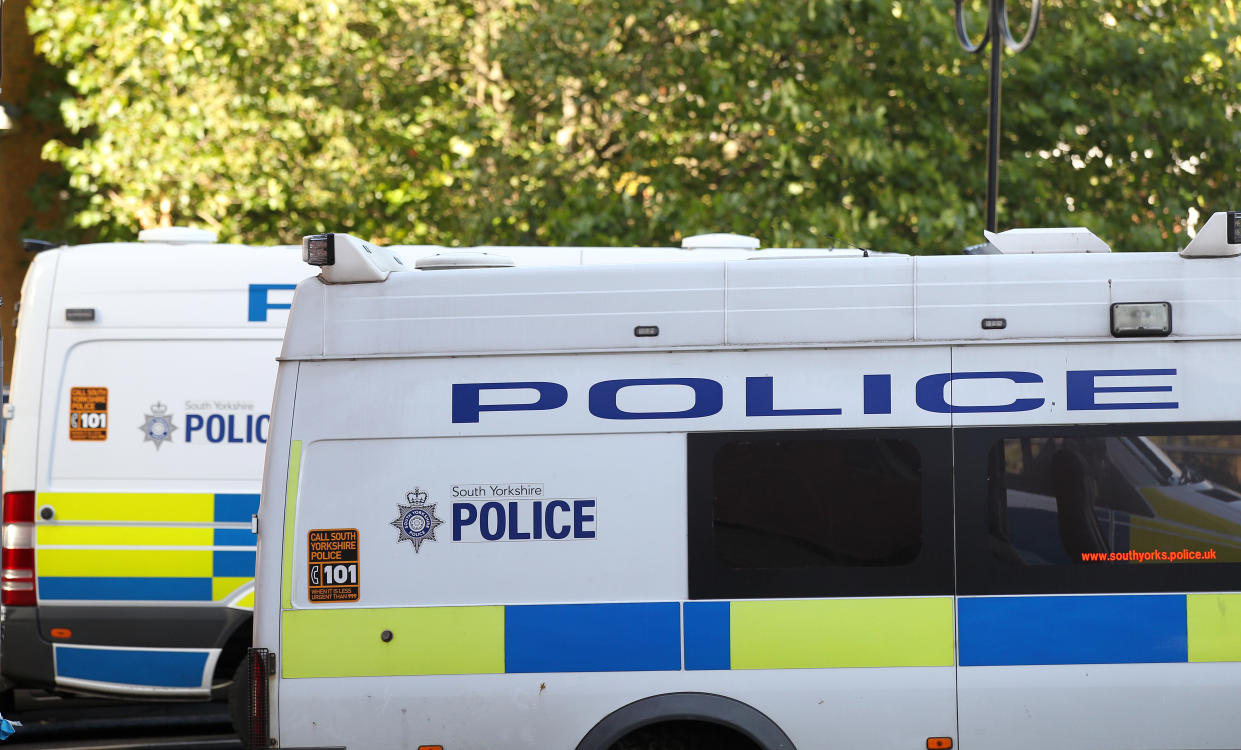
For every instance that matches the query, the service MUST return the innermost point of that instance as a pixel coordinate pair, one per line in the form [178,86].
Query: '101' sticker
[88,413]
[333,565]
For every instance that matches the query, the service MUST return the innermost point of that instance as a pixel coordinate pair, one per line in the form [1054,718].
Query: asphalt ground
[51,722]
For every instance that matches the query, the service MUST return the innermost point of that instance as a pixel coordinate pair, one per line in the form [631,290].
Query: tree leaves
[637,121]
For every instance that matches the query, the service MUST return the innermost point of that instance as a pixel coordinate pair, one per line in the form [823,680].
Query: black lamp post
[997,29]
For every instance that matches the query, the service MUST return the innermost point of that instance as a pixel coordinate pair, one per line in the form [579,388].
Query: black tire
[684,735]
[238,698]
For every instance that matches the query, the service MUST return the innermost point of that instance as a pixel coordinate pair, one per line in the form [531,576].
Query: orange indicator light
[62,633]
[938,743]
[430,747]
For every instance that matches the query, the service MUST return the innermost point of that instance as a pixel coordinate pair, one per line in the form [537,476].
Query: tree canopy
[806,123]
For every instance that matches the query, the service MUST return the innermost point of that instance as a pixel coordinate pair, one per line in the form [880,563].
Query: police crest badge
[416,521]
[158,427]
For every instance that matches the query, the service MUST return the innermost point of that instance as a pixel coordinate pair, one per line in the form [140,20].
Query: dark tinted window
[820,513]
[792,503]
[1091,500]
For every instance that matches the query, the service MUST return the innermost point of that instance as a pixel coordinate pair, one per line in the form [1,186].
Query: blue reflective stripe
[123,589]
[592,637]
[708,639]
[1130,629]
[234,538]
[235,507]
[170,669]
[232,564]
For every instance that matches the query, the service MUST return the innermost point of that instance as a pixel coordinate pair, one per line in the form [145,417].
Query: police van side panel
[549,577]
[152,424]
[401,595]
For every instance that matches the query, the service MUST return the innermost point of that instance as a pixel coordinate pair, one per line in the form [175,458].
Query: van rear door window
[1083,503]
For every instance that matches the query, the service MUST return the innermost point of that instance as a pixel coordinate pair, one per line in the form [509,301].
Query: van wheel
[685,735]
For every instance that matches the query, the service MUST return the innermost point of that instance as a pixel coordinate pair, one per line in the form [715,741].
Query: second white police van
[840,502]
[139,414]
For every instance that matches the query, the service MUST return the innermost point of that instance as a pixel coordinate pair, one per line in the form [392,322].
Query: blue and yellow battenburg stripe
[762,634]
[615,637]
[145,547]
[160,668]
[1115,629]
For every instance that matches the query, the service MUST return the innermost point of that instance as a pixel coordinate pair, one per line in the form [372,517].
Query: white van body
[837,502]
[139,413]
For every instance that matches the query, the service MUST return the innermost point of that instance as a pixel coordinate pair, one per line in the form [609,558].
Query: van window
[793,503]
[820,512]
[1099,508]
[1118,500]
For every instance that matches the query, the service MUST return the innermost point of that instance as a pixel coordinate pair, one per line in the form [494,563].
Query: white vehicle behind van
[135,433]
[827,501]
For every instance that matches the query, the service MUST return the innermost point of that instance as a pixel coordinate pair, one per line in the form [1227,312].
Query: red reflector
[255,713]
[17,583]
[19,507]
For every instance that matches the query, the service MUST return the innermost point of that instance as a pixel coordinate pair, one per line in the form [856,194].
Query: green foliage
[638,121]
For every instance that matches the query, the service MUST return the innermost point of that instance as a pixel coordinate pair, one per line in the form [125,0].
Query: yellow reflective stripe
[425,640]
[123,563]
[290,505]
[223,587]
[123,536]
[1214,622]
[157,507]
[795,634]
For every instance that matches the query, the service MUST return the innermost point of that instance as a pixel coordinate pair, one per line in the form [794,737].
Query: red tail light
[17,553]
[256,699]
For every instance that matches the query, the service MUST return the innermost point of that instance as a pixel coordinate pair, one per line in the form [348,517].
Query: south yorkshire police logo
[417,520]
[158,427]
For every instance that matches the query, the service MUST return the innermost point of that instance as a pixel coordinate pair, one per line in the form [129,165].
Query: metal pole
[997,29]
[993,119]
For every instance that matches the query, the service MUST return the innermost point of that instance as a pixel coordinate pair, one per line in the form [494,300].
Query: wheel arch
[706,707]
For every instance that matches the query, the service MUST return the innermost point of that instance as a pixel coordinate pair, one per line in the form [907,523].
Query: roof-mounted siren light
[1220,237]
[462,260]
[177,236]
[719,241]
[1044,240]
[345,259]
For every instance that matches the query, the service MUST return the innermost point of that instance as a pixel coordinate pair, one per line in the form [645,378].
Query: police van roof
[780,302]
[162,285]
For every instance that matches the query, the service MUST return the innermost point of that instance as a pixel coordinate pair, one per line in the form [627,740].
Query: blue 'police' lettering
[463,514]
[467,398]
[522,521]
[929,392]
[260,304]
[227,428]
[492,526]
[929,395]
[760,397]
[876,394]
[1082,389]
[708,398]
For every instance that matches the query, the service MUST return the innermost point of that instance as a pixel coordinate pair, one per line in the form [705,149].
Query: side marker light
[62,633]
[1141,319]
[938,743]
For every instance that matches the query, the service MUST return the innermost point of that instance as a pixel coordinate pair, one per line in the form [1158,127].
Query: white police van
[139,415]
[776,502]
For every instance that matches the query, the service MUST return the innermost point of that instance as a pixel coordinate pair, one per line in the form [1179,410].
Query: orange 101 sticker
[333,565]
[88,413]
